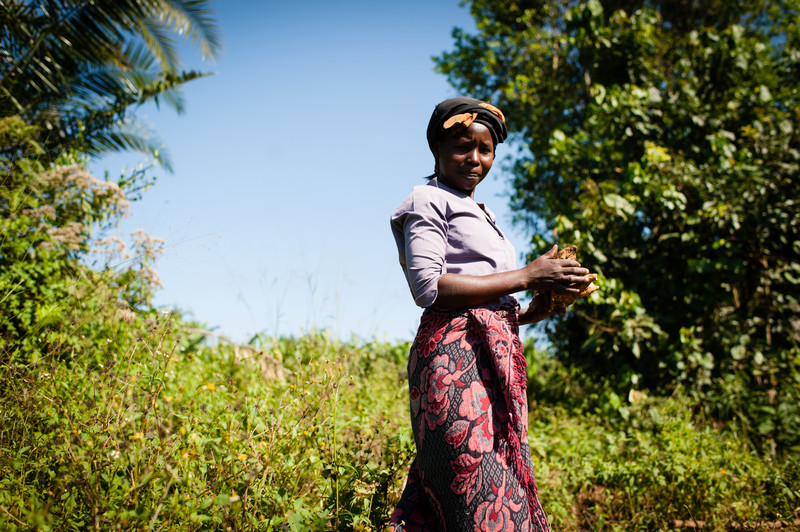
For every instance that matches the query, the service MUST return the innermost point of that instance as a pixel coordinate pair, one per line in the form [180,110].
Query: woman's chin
[463,183]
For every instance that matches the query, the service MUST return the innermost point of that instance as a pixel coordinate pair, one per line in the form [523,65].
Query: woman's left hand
[542,306]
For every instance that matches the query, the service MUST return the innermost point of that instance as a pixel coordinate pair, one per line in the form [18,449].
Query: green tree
[49,296]
[76,68]
[72,74]
[662,139]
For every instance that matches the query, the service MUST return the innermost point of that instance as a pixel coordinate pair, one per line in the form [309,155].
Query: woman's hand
[547,272]
[542,306]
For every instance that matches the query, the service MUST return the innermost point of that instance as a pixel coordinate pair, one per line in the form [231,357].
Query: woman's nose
[473,156]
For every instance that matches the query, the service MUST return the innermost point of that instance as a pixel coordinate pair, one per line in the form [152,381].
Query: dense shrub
[607,462]
[49,296]
[159,433]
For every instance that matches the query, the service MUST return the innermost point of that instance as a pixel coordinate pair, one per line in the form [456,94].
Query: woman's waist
[504,305]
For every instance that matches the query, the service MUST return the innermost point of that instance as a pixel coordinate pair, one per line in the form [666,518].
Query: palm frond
[139,55]
[130,135]
[194,19]
[160,43]
[105,86]
[75,66]
[169,89]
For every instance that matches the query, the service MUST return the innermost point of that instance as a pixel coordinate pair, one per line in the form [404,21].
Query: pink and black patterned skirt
[469,414]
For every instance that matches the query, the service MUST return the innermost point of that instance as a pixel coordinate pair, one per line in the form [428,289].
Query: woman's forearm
[544,273]
[459,291]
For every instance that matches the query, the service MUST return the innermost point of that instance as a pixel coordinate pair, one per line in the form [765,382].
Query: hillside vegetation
[142,426]
[116,415]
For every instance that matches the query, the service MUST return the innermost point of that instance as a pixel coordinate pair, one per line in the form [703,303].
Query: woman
[466,368]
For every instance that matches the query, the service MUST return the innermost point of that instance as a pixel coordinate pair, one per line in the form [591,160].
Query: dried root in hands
[546,303]
[586,287]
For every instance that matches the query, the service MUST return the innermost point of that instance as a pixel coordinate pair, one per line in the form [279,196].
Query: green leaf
[619,205]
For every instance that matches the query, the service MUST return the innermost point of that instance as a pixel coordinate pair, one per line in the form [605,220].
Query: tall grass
[164,433]
[161,431]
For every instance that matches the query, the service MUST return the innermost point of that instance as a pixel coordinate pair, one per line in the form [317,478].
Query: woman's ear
[435,150]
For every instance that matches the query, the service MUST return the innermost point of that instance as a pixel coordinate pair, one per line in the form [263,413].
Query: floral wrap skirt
[469,414]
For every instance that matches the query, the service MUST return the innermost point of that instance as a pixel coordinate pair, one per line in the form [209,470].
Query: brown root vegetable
[586,288]
[546,303]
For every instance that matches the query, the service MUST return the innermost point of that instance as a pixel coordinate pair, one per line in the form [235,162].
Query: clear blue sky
[290,159]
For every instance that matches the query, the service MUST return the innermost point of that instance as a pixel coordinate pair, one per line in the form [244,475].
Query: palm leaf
[160,44]
[129,135]
[192,18]
[76,66]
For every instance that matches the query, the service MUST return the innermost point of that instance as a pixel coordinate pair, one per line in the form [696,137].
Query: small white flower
[114,454]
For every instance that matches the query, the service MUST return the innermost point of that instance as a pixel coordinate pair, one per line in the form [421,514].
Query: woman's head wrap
[465,111]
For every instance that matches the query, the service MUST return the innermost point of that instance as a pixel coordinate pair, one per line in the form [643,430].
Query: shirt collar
[434,182]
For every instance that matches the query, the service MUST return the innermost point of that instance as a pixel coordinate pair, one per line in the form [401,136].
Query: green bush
[302,433]
[49,297]
[607,462]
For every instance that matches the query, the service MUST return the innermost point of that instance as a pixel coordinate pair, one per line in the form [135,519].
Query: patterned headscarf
[465,111]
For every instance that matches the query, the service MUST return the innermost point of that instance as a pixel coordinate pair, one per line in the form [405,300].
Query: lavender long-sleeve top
[440,230]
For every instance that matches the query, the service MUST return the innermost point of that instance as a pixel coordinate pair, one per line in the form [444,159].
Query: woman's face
[465,158]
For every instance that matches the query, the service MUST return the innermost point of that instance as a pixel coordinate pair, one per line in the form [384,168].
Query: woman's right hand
[547,272]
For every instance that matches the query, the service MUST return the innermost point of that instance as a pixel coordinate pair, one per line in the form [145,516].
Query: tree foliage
[49,294]
[76,68]
[72,74]
[662,138]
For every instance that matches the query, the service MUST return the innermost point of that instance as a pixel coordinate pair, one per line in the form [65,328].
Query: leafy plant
[49,213]
[606,462]
[157,434]
[77,69]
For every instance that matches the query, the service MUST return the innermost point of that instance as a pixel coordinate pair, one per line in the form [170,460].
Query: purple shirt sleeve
[438,230]
[420,231]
